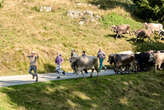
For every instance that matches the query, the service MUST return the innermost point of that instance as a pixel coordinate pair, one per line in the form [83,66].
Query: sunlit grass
[23,29]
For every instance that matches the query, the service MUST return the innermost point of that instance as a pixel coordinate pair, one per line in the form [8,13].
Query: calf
[121,29]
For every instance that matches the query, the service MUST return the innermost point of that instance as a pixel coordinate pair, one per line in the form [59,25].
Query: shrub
[151,10]
[1,3]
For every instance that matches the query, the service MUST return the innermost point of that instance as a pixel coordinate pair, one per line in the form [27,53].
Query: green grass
[23,29]
[115,19]
[141,91]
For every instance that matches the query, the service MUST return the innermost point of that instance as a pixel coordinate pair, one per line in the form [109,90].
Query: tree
[151,10]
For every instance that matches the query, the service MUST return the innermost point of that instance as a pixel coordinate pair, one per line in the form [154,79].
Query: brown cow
[142,33]
[121,29]
[122,60]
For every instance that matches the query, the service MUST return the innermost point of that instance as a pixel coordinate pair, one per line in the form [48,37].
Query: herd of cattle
[146,32]
[123,62]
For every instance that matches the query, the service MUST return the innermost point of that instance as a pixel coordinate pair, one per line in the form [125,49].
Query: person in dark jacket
[83,53]
[58,61]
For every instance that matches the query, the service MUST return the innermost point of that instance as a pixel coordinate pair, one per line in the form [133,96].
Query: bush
[151,10]
[1,3]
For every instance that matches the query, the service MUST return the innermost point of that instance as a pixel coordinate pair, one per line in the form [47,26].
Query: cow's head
[111,58]
[151,56]
[146,25]
[72,59]
[113,28]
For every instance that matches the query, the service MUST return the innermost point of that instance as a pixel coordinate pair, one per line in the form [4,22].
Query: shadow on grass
[114,36]
[132,40]
[142,46]
[108,92]
[110,4]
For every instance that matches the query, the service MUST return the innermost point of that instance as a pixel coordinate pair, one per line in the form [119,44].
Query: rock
[98,17]
[93,20]
[81,22]
[87,12]
[74,14]
[48,9]
[45,8]
[85,16]
[98,6]
[78,4]
[41,9]
[90,5]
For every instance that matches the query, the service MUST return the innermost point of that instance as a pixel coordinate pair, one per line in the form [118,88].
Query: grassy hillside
[142,91]
[24,28]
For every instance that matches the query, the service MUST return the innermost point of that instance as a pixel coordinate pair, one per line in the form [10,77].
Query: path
[27,79]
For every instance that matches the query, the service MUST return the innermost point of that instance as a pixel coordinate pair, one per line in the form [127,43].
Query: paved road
[27,79]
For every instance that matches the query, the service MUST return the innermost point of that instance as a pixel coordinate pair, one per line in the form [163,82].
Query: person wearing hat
[58,61]
[33,65]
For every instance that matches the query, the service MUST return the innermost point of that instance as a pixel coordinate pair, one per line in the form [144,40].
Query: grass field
[141,91]
[24,28]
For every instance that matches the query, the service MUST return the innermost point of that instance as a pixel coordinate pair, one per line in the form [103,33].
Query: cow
[121,29]
[144,60]
[126,52]
[159,59]
[154,27]
[161,34]
[122,60]
[80,63]
[142,34]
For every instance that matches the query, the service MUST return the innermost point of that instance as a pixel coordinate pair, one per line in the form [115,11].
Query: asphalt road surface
[27,79]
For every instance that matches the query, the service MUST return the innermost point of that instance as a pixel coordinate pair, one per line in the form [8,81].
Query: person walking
[101,55]
[58,61]
[73,53]
[33,65]
[83,53]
